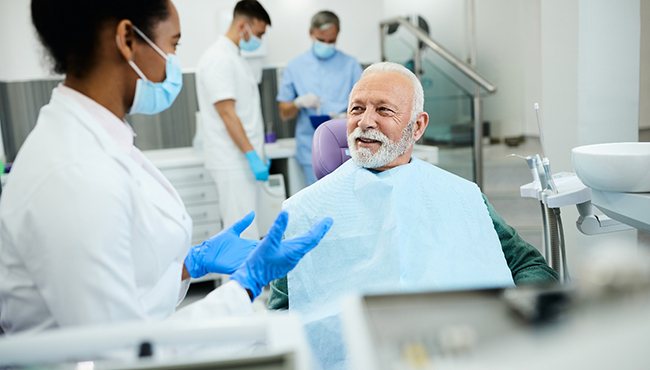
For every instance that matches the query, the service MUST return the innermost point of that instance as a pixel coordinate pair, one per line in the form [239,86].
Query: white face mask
[387,152]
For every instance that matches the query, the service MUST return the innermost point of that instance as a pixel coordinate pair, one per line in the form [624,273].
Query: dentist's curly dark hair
[69,29]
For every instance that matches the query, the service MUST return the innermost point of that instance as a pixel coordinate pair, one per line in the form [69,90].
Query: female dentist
[91,232]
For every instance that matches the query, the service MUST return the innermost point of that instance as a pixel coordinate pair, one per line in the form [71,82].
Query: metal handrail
[463,67]
[467,70]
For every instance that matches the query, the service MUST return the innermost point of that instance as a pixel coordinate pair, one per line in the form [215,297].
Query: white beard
[388,150]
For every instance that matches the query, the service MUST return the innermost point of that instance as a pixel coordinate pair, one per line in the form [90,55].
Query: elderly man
[317,80]
[400,223]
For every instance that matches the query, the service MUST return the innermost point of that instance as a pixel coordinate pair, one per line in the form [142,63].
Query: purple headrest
[329,147]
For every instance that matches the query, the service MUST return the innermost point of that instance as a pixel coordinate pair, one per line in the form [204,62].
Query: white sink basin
[615,167]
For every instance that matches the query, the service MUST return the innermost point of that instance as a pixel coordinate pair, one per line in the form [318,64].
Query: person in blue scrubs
[316,82]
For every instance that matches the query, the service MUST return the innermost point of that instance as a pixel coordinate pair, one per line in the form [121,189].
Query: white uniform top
[90,231]
[222,74]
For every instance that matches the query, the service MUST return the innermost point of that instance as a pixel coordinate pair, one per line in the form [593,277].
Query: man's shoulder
[347,58]
[430,168]
[299,60]
[217,54]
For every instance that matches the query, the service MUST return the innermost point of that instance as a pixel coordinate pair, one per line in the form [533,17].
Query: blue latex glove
[223,253]
[260,170]
[274,258]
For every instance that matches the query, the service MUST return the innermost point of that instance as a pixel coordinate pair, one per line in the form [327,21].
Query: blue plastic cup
[270,137]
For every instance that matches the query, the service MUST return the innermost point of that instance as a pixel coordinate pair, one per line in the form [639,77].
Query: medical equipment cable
[547,245]
[565,268]
[554,241]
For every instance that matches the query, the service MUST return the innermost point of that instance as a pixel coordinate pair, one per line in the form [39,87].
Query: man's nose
[367,121]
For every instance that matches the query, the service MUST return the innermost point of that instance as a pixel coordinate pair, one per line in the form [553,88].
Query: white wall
[608,71]
[22,55]
[201,22]
[590,89]
[500,57]
[644,96]
[507,33]
[289,36]
[446,19]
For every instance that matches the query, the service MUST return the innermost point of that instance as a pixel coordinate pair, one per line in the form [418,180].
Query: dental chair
[329,147]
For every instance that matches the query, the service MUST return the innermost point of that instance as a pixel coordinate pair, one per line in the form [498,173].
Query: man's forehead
[375,97]
[383,86]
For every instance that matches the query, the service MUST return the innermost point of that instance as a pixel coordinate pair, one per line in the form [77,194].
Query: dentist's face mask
[323,50]
[253,42]
[155,97]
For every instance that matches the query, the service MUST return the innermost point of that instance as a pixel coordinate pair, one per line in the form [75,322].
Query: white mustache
[372,134]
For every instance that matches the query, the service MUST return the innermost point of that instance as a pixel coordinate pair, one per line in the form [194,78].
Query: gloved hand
[308,100]
[223,253]
[260,170]
[274,258]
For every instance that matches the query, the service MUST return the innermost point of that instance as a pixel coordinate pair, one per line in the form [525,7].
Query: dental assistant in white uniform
[231,115]
[90,231]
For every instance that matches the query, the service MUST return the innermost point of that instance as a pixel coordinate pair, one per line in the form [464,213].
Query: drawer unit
[186,175]
[202,231]
[204,212]
[183,167]
[193,194]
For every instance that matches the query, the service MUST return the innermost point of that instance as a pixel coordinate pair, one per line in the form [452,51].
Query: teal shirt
[526,264]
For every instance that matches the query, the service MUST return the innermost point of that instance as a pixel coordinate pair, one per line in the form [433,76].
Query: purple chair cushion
[329,147]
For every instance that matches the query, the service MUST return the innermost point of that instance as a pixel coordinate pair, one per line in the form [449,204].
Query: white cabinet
[183,167]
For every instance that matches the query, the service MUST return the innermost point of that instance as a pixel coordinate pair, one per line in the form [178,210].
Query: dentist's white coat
[88,235]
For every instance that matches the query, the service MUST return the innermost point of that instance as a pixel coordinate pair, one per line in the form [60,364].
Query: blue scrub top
[330,79]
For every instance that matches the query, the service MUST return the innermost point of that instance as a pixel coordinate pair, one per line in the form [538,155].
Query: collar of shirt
[118,129]
[229,44]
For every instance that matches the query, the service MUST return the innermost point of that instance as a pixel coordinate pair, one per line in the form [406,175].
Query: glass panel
[446,98]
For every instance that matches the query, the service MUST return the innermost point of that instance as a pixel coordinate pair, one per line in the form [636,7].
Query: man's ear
[240,24]
[421,123]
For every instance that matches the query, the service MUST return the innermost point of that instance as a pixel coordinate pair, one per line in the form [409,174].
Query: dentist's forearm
[288,110]
[234,127]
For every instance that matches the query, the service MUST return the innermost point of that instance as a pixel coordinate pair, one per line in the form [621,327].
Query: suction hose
[554,241]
